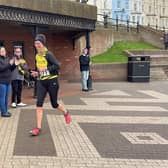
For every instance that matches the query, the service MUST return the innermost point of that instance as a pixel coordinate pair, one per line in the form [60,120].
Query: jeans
[4,94]
[85,76]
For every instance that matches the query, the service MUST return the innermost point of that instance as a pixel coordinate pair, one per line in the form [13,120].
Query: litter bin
[138,68]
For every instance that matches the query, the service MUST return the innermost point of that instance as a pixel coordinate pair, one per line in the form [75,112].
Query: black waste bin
[138,68]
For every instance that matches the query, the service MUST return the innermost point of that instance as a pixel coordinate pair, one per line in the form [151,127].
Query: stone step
[158,74]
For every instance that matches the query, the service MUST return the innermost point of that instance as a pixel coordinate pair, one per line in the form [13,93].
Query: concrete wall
[145,34]
[100,41]
[62,7]
[103,39]
[109,72]
[151,36]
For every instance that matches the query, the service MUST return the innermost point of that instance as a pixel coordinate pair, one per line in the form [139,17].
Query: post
[105,21]
[35,32]
[88,40]
[89,82]
[127,25]
[117,23]
[137,26]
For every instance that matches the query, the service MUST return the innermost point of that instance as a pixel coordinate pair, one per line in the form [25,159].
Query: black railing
[108,22]
[156,27]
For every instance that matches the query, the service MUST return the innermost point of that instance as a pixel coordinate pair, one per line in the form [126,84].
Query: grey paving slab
[113,126]
[29,145]
[116,113]
[110,143]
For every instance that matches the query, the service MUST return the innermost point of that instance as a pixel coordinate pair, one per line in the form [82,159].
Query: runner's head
[40,42]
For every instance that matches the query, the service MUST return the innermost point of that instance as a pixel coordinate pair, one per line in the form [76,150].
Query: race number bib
[45,73]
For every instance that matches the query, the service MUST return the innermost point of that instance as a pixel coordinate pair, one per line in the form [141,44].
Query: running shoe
[67,118]
[35,131]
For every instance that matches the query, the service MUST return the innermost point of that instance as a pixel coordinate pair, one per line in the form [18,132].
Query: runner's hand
[34,73]
[12,61]
[17,62]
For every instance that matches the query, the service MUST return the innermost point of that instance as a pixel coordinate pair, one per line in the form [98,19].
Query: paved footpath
[117,125]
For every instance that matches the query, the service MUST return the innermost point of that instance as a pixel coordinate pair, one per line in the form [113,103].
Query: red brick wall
[10,33]
[60,43]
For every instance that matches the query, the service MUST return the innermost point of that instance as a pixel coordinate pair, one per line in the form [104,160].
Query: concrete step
[158,74]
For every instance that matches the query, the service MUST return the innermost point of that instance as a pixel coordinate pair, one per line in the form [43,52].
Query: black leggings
[16,91]
[51,86]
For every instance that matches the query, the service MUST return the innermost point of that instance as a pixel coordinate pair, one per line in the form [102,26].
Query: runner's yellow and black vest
[42,62]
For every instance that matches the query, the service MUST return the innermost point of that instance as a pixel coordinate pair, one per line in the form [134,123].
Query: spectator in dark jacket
[165,39]
[17,78]
[84,61]
[6,68]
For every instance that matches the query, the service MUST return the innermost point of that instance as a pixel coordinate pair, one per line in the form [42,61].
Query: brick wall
[60,43]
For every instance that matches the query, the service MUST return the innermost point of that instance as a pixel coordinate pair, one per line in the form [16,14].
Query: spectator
[17,78]
[165,40]
[6,68]
[84,61]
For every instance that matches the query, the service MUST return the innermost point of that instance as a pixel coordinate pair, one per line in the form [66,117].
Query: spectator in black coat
[165,39]
[6,68]
[84,61]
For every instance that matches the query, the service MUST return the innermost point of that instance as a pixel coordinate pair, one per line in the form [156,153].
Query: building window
[127,4]
[127,17]
[150,9]
[143,8]
[135,7]
[142,20]
[19,44]
[133,18]
[118,4]
[149,21]
[138,19]
[163,11]
[116,16]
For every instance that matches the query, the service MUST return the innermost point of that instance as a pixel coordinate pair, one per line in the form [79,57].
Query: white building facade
[152,13]
[104,7]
